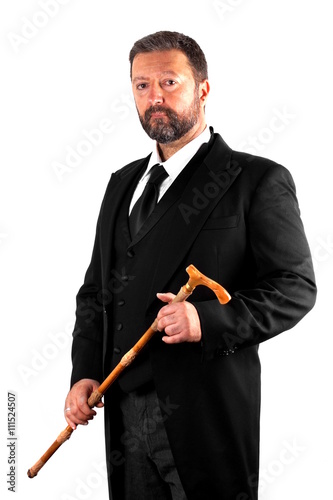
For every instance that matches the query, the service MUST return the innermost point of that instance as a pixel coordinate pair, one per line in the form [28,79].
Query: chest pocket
[221,222]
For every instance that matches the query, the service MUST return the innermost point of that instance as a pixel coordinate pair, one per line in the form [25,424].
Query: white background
[65,73]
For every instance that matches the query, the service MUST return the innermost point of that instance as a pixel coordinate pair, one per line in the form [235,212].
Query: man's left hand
[180,321]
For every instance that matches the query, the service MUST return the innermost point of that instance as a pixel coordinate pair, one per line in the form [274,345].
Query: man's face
[166,95]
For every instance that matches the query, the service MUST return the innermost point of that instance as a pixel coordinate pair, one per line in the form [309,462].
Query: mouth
[158,114]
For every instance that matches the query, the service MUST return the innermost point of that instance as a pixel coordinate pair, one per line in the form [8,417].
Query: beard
[176,126]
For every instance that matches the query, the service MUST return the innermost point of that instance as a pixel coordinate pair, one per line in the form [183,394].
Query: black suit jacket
[236,218]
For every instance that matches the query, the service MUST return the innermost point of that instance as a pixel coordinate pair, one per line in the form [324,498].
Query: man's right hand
[77,410]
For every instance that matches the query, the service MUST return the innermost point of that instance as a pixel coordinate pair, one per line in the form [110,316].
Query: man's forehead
[167,72]
[163,62]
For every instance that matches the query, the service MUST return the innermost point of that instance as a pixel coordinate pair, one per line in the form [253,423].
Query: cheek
[140,104]
[176,102]
[182,101]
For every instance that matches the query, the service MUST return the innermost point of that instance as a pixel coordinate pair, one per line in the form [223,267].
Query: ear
[204,89]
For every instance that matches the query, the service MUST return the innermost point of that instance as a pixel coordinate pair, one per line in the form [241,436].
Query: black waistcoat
[127,317]
[127,320]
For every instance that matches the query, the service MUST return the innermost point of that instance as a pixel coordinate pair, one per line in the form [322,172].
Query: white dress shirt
[173,165]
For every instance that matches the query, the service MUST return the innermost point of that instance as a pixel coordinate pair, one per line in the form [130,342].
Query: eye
[141,86]
[170,83]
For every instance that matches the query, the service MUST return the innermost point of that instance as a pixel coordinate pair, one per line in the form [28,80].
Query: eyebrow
[168,72]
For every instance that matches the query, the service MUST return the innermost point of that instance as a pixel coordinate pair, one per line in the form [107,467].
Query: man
[183,420]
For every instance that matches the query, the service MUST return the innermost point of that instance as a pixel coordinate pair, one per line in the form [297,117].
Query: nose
[155,94]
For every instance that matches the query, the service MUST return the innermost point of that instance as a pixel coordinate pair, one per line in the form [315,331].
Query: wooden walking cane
[195,278]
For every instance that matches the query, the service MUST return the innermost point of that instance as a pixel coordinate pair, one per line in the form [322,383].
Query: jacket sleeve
[284,289]
[87,346]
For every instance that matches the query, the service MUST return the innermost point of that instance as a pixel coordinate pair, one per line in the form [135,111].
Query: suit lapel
[122,185]
[172,195]
[191,207]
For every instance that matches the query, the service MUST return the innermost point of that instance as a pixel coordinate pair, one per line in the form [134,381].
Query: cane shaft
[195,279]
[97,395]
[63,436]
[129,357]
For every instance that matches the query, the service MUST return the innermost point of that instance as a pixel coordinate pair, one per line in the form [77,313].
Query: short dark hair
[169,40]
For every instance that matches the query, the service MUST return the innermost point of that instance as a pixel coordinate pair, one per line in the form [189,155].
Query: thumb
[100,403]
[165,297]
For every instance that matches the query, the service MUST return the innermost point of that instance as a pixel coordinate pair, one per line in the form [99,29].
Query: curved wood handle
[197,278]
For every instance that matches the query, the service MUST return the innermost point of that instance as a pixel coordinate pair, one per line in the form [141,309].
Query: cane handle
[197,278]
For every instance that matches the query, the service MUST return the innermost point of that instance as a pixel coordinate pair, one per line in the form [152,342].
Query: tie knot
[157,175]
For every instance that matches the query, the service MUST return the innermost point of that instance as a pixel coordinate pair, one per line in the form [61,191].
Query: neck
[167,150]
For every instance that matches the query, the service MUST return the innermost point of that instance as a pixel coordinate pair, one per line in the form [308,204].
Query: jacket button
[117,350]
[130,254]
[119,327]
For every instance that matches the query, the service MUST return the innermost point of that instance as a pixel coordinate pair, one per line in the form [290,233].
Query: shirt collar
[177,162]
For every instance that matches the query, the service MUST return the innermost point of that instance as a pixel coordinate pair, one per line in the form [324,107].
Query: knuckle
[74,411]
[162,323]
[169,330]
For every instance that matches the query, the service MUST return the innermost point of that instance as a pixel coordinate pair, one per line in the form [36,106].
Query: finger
[167,314]
[74,418]
[74,422]
[167,322]
[174,339]
[70,418]
[70,422]
[170,319]
[82,404]
[165,297]
[80,410]
[172,328]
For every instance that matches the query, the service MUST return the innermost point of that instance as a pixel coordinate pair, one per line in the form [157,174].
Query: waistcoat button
[116,350]
[121,302]
[119,327]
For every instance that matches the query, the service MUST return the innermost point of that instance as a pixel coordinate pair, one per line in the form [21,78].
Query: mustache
[157,109]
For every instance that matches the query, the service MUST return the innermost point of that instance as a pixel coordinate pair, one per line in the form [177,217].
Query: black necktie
[148,200]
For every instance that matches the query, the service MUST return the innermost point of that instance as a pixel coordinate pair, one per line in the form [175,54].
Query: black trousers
[150,472]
